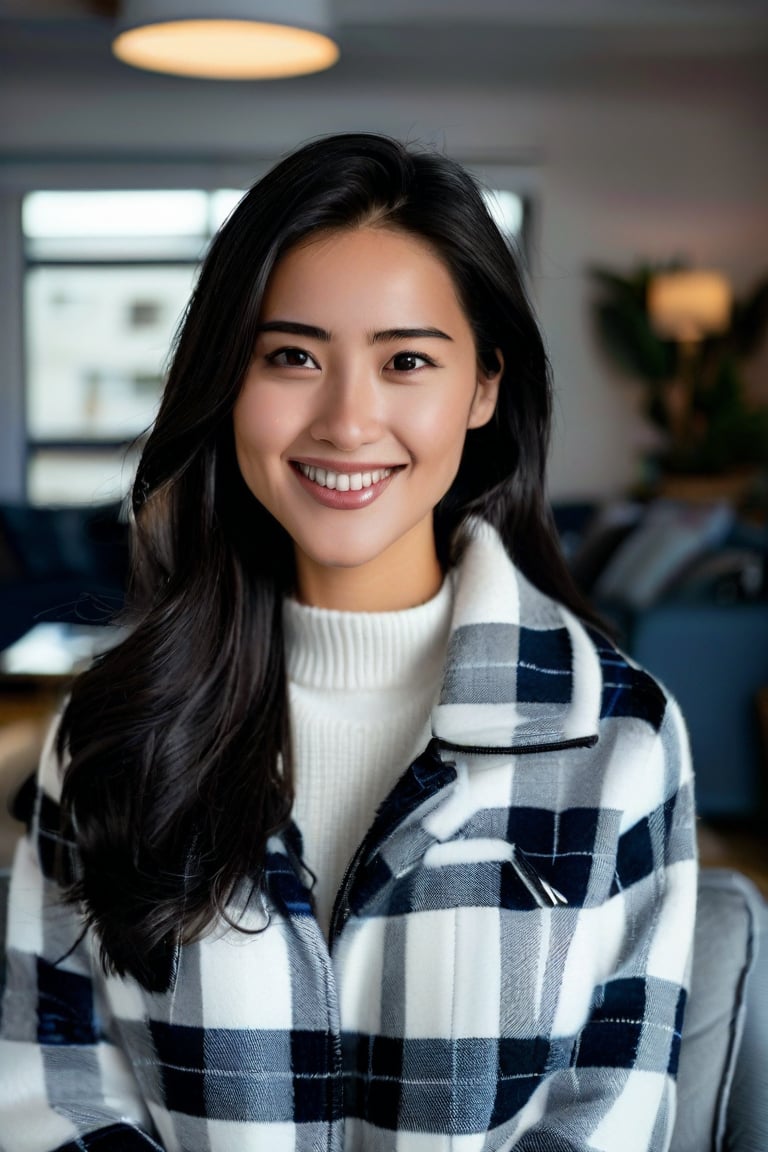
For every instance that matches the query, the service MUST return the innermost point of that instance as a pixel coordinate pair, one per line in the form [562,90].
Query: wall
[653,169]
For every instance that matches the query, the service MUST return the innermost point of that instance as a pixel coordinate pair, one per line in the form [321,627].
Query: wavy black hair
[178,739]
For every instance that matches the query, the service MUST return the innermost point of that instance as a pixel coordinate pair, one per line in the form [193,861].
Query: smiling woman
[385,383]
[364,837]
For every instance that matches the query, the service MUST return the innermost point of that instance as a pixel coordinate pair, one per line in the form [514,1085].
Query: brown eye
[408,361]
[292,358]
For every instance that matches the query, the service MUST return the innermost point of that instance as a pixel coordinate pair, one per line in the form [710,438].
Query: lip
[343,501]
[345,467]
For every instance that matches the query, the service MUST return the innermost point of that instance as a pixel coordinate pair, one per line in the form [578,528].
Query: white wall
[653,170]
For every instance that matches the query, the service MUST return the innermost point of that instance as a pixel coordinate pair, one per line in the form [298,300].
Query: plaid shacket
[508,955]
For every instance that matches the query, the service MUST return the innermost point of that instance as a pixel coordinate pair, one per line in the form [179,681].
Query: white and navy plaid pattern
[508,957]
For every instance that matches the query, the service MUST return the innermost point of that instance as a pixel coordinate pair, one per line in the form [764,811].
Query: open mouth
[343,481]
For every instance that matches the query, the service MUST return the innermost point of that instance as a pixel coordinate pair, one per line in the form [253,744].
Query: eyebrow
[408,334]
[294,328]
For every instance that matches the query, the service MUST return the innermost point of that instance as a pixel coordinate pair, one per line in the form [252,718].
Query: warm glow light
[689,305]
[226,49]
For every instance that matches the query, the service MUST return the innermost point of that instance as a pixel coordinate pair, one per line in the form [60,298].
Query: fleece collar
[521,672]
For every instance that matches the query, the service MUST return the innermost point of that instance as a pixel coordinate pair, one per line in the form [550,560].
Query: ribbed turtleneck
[361,686]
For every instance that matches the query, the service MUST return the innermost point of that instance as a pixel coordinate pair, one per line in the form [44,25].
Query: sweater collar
[521,672]
[368,652]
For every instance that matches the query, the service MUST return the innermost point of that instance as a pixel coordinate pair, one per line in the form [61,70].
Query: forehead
[366,268]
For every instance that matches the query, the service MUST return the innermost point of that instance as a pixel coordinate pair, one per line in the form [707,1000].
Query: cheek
[261,425]
[437,430]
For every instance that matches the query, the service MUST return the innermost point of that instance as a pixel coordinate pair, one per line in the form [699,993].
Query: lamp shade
[689,305]
[227,40]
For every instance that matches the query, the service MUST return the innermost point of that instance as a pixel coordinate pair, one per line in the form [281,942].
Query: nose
[349,411]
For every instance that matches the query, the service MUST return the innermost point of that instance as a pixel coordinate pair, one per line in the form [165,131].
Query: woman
[365,840]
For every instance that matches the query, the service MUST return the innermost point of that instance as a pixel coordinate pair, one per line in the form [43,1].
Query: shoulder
[642,754]
[634,701]
[628,690]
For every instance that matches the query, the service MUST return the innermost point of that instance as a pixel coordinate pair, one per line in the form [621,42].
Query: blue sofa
[60,564]
[685,591]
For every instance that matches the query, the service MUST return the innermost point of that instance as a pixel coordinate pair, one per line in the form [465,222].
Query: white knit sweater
[361,686]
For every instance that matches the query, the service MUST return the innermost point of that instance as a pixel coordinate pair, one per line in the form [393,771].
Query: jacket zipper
[341,910]
[543,892]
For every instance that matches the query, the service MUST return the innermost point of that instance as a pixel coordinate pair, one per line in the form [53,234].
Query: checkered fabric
[508,956]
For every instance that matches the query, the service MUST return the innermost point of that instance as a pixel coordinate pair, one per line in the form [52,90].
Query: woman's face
[350,424]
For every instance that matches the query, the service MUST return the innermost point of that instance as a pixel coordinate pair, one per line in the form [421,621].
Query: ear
[486,394]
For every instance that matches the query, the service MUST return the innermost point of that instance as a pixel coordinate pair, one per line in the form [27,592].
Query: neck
[389,583]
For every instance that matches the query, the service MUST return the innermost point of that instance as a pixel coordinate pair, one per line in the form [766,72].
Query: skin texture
[355,395]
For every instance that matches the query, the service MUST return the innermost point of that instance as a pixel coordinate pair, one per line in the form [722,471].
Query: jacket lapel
[521,674]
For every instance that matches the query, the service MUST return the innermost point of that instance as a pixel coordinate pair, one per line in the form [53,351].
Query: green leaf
[723,431]
[749,321]
[632,342]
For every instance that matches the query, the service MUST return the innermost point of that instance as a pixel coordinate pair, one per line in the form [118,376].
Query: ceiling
[553,42]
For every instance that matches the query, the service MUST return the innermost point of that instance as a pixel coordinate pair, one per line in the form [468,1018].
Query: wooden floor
[736,844]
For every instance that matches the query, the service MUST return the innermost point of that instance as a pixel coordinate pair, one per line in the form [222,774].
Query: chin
[346,558]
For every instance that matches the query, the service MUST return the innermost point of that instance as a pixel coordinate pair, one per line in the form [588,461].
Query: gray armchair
[723,1075]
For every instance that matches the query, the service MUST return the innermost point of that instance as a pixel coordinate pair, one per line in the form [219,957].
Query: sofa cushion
[725,951]
[748,1100]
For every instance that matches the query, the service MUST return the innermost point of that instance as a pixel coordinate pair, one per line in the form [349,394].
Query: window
[107,278]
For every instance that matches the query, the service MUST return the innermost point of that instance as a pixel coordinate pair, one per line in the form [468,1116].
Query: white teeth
[343,481]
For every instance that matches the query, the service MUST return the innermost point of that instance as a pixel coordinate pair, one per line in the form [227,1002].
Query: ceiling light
[227,40]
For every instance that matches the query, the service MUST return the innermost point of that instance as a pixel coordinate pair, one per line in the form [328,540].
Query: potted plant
[695,395]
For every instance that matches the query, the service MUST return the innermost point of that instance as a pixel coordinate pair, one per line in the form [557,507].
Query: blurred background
[623,147]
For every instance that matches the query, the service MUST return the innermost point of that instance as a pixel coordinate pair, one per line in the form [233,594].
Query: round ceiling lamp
[227,40]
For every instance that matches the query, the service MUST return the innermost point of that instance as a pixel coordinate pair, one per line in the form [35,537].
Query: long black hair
[178,739]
